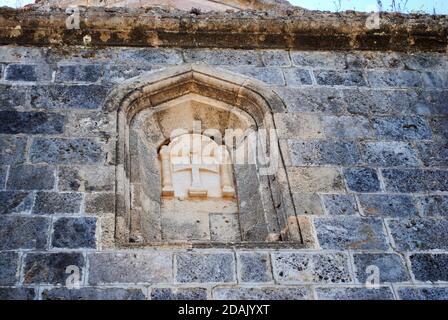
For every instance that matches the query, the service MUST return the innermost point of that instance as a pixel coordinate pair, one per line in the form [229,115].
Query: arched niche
[150,107]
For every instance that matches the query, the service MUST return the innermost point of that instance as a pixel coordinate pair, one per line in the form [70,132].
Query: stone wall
[365,141]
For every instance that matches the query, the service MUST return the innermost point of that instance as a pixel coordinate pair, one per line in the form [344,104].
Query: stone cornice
[288,29]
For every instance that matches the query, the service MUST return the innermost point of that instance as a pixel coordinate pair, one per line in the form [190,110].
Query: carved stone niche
[177,181]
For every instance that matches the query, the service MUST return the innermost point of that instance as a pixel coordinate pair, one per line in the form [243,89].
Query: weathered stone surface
[362,179]
[340,204]
[203,268]
[50,268]
[434,205]
[394,79]
[12,96]
[86,178]
[29,177]
[389,154]
[374,60]
[275,58]
[434,153]
[12,150]
[297,77]
[93,294]
[179,294]
[19,293]
[53,203]
[392,267]
[9,262]
[430,293]
[415,180]
[79,72]
[401,128]
[340,78]
[423,61]
[429,267]
[151,56]
[299,126]
[419,234]
[117,73]
[222,57]
[19,232]
[273,76]
[12,122]
[435,79]
[307,203]
[310,180]
[90,124]
[254,267]
[66,151]
[432,102]
[439,128]
[347,127]
[311,268]
[387,205]
[346,232]
[27,72]
[322,152]
[68,96]
[100,203]
[325,59]
[117,267]
[224,227]
[3,173]
[74,233]
[351,293]
[15,202]
[263,293]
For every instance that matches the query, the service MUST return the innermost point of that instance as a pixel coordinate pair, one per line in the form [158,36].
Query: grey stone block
[362,179]
[3,173]
[307,203]
[15,202]
[434,205]
[254,267]
[297,77]
[346,232]
[388,205]
[434,153]
[12,122]
[347,127]
[79,72]
[17,294]
[263,293]
[419,234]
[315,180]
[12,96]
[321,152]
[100,203]
[401,128]
[335,60]
[88,123]
[432,102]
[12,150]
[374,60]
[19,232]
[439,128]
[29,177]
[437,80]
[74,233]
[269,75]
[53,203]
[389,154]
[203,268]
[150,56]
[66,151]
[415,180]
[222,57]
[400,79]
[430,293]
[179,294]
[118,267]
[68,96]
[93,294]
[27,72]
[391,267]
[340,78]
[311,268]
[275,58]
[50,268]
[351,293]
[423,61]
[429,267]
[9,262]
[88,178]
[224,227]
[340,204]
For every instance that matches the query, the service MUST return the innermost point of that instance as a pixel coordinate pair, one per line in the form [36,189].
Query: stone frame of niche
[138,99]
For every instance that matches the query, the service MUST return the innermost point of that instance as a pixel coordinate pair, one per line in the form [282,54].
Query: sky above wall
[428,6]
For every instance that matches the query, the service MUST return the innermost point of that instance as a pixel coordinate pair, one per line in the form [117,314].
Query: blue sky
[440,6]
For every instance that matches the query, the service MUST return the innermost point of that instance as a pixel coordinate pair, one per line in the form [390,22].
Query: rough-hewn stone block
[29,177]
[401,128]
[53,202]
[340,204]
[429,267]
[299,126]
[79,72]
[307,203]
[415,180]
[435,79]
[346,232]
[12,150]
[66,151]
[19,232]
[432,102]
[439,128]
[297,77]
[391,267]
[3,173]
[388,205]
[150,56]
[319,59]
[15,202]
[86,178]
[74,233]
[434,205]
[222,57]
[179,294]
[17,293]
[419,234]
[340,78]
[27,72]
[434,153]
[100,203]
[351,293]
[93,294]
[275,58]
[272,76]
[419,293]
[323,152]
[347,127]
[90,124]
[362,179]
[117,73]
[203,268]
[254,267]
[389,154]
[12,122]
[50,268]
[311,268]
[319,179]
[394,79]
[263,293]
[12,96]
[117,267]
[9,262]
